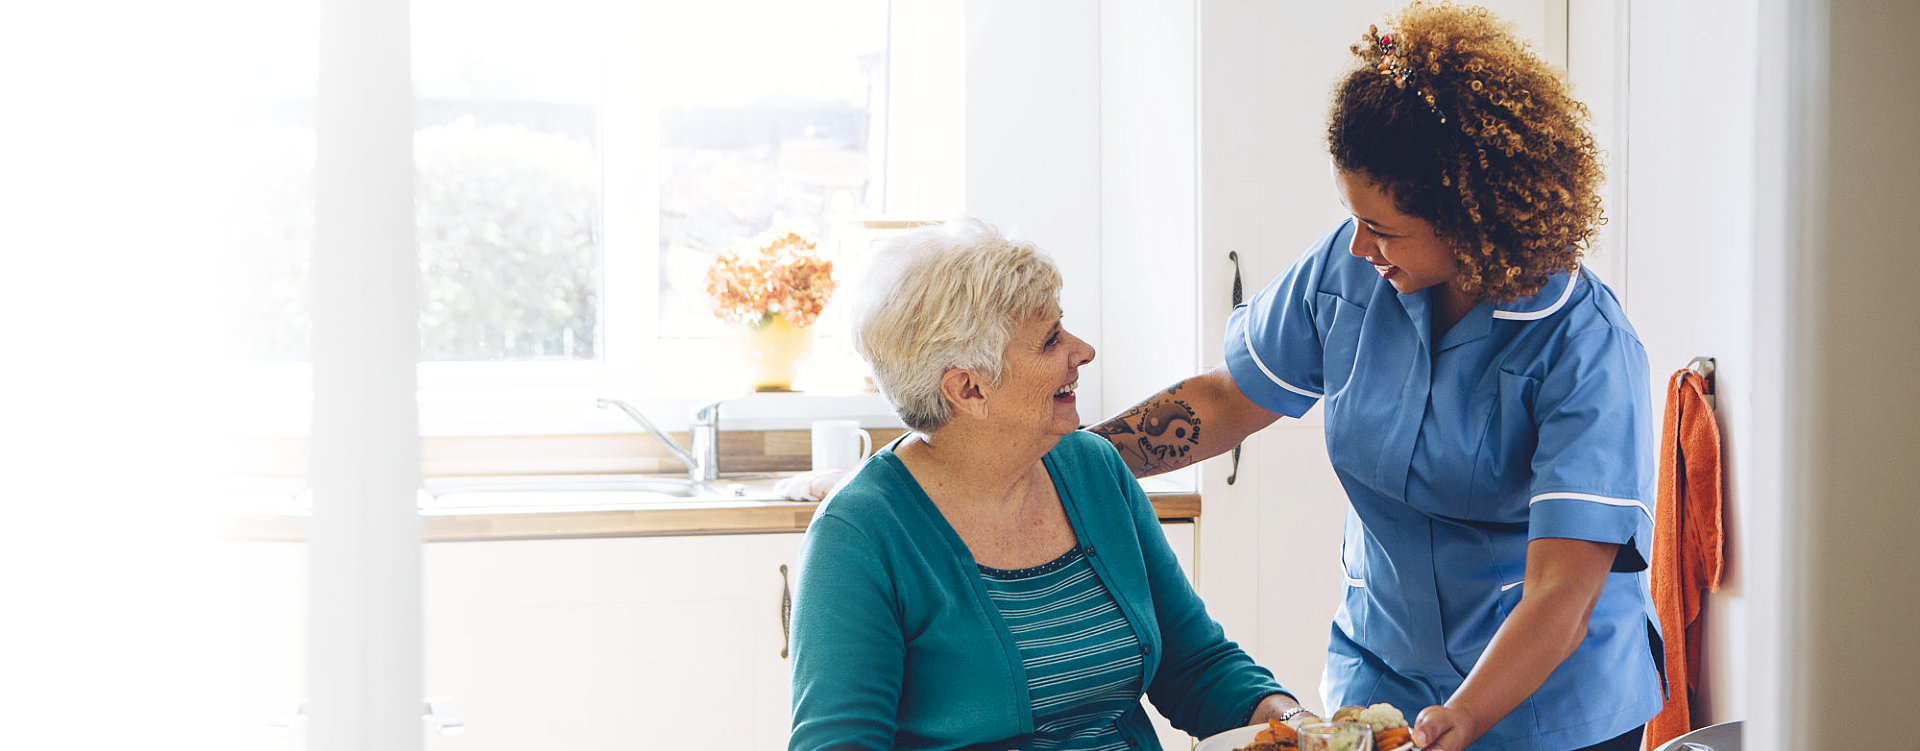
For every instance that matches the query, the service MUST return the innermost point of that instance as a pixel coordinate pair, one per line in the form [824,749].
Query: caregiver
[1487,402]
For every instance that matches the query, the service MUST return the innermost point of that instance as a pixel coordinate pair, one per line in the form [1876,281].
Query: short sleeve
[1273,348]
[1593,465]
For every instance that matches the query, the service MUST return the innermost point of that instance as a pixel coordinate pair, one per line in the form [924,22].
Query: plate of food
[1390,731]
[1239,739]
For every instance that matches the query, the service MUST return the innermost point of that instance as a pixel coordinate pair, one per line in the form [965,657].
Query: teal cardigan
[896,644]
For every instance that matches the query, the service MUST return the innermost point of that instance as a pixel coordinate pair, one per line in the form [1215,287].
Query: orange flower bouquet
[782,277]
[777,290]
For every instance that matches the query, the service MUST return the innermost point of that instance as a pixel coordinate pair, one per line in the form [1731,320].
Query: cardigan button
[1089,551]
[1146,649]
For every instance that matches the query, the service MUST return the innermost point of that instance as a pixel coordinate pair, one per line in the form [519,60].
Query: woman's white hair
[945,297]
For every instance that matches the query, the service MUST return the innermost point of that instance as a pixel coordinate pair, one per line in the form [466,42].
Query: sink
[571,492]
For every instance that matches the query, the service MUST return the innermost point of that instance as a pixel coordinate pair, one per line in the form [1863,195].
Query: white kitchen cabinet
[266,636]
[629,643]
[622,643]
[1180,536]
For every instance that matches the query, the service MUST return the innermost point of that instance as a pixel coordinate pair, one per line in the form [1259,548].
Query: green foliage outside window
[507,222]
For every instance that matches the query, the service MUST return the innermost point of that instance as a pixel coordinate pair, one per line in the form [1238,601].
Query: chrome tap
[702,457]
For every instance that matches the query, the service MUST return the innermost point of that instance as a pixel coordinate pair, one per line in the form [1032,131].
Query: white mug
[839,444]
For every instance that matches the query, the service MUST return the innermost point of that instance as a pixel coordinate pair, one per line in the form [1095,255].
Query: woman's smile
[1403,249]
[1043,362]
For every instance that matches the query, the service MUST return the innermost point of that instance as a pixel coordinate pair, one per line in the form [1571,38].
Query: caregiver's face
[1401,247]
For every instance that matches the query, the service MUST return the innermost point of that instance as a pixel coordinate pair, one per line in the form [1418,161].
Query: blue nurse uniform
[1528,419]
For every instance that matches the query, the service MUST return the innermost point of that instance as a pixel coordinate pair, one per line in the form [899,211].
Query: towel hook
[1705,367]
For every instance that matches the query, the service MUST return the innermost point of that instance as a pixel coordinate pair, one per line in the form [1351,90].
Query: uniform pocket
[1353,556]
[1338,323]
[1510,594]
[1504,465]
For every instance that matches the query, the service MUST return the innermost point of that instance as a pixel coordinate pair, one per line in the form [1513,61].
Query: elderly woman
[1486,401]
[995,579]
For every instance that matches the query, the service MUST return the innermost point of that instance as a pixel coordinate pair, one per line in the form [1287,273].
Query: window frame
[923,145]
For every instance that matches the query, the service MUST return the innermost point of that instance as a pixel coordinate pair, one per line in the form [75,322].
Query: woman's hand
[1444,728]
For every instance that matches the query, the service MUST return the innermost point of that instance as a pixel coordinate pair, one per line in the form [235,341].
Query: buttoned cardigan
[896,643]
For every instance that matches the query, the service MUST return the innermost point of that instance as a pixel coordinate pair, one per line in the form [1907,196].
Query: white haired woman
[996,578]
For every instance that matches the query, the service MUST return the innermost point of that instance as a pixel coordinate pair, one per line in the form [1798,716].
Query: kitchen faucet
[702,457]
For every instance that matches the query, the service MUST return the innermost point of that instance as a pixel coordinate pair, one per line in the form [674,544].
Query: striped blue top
[1082,660]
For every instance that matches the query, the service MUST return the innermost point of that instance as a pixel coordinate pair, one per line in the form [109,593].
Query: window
[508,149]
[269,246]
[579,164]
[752,142]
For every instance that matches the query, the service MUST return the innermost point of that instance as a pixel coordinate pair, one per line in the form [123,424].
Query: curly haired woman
[1487,403]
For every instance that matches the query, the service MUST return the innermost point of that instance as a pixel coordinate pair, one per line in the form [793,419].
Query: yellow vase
[770,351]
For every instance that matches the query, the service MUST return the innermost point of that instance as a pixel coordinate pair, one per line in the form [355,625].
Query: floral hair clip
[1393,65]
[1390,64]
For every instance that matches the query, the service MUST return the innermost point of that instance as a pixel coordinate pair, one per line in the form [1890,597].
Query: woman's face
[1043,369]
[1402,248]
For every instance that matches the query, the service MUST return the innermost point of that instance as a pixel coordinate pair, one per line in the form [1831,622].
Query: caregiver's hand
[1443,728]
[1563,581]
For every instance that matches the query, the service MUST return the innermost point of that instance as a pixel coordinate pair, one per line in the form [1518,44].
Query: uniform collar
[1479,321]
[1549,300]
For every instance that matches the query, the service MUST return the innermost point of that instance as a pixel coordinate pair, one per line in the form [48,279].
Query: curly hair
[1463,126]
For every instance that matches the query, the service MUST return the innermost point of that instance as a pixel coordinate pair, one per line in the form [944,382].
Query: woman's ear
[966,391]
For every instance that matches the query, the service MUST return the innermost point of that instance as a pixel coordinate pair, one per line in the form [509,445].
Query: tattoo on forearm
[1159,433]
[1119,432]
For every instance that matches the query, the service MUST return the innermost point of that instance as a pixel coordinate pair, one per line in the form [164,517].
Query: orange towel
[1686,544]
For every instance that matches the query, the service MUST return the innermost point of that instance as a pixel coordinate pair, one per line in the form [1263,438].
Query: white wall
[1149,145]
[1598,44]
[1849,171]
[1770,164]
[1688,178]
[1033,144]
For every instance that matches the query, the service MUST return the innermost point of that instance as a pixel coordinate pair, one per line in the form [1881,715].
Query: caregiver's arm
[1563,582]
[1190,421]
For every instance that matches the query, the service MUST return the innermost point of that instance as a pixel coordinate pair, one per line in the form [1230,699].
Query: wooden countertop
[692,518]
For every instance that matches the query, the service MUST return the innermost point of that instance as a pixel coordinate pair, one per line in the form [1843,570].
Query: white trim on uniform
[1591,498]
[1533,315]
[1352,582]
[1246,332]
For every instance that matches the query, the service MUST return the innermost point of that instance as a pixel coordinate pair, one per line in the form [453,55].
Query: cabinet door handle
[1234,256]
[439,713]
[786,612]
[288,711]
